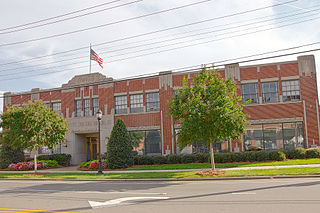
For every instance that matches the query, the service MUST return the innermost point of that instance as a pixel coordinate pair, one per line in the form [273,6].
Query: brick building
[283,113]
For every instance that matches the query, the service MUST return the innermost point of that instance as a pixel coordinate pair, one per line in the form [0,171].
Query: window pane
[78,108]
[270,92]
[153,142]
[186,149]
[138,139]
[136,103]
[95,105]
[152,102]
[86,106]
[120,104]
[253,138]
[290,90]
[272,136]
[250,92]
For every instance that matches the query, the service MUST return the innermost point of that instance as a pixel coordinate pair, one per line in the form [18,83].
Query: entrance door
[92,148]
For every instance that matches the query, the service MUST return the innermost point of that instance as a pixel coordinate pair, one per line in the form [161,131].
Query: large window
[290,90]
[78,108]
[56,107]
[120,104]
[95,105]
[146,142]
[270,92]
[152,102]
[136,103]
[250,92]
[86,107]
[274,136]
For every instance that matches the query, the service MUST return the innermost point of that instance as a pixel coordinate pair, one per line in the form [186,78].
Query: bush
[62,159]
[159,159]
[9,156]
[119,148]
[50,163]
[277,156]
[143,160]
[188,158]
[298,153]
[174,159]
[313,153]
[85,164]
[43,157]
[262,155]
[201,158]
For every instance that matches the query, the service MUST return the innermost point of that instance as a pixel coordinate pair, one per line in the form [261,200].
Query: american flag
[94,56]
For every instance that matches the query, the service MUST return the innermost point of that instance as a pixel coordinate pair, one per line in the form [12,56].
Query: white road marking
[122,201]
[115,192]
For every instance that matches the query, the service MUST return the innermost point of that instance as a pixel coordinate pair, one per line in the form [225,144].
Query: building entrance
[92,148]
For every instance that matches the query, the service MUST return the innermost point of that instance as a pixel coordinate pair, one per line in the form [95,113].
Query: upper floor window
[270,92]
[290,90]
[95,105]
[56,107]
[78,108]
[152,102]
[136,103]
[120,104]
[86,107]
[250,92]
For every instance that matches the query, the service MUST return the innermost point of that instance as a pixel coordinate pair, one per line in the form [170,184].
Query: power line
[163,41]
[104,25]
[152,32]
[59,16]
[70,18]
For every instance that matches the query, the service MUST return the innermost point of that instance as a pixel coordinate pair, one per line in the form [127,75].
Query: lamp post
[99,116]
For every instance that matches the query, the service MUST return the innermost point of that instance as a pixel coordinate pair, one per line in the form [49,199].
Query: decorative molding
[276,120]
[104,86]
[141,128]
[67,90]
[296,77]
[232,71]
[136,92]
[120,94]
[151,90]
[269,79]
[81,80]
[249,81]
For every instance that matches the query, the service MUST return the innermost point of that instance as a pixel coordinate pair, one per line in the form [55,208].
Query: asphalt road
[272,195]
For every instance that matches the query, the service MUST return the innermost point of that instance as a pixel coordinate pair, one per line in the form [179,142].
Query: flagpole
[90,59]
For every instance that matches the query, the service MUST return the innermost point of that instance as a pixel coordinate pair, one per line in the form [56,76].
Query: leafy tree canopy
[32,126]
[209,110]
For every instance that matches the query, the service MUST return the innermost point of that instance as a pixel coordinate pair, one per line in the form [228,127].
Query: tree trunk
[213,166]
[35,163]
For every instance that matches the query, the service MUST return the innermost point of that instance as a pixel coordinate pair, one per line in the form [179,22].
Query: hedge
[62,159]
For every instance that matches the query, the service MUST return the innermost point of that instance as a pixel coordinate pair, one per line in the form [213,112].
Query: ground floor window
[274,136]
[146,142]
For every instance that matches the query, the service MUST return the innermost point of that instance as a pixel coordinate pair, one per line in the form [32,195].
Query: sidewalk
[73,169]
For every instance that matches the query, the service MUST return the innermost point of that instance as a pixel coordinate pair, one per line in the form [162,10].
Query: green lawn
[238,173]
[229,165]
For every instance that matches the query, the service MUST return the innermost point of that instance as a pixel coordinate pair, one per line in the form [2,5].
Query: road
[271,195]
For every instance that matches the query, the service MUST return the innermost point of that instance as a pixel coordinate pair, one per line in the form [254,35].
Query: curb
[167,179]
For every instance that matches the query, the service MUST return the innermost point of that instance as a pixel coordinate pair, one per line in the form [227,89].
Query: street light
[99,116]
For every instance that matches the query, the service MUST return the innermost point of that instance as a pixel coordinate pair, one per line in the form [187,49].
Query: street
[271,195]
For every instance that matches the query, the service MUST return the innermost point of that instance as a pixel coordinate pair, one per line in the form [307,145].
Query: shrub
[188,158]
[237,157]
[174,159]
[9,156]
[85,164]
[298,153]
[62,159]
[277,156]
[201,158]
[50,163]
[44,157]
[262,155]
[313,153]
[119,148]
[159,159]
[143,160]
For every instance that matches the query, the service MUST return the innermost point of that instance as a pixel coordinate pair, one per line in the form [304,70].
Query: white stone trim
[120,94]
[269,79]
[287,78]
[151,90]
[249,81]
[136,92]
[143,128]
[276,120]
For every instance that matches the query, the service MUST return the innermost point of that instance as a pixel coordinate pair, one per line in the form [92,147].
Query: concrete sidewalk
[73,169]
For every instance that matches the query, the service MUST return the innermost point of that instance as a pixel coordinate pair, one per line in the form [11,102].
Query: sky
[132,44]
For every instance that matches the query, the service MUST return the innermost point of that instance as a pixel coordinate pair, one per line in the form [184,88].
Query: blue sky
[15,12]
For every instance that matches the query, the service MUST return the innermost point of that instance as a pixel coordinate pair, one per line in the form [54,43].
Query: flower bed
[94,165]
[23,166]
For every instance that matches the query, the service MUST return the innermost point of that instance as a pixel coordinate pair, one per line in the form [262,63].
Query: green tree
[32,127]
[119,148]
[209,110]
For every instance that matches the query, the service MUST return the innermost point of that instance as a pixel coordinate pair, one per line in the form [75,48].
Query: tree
[32,126]
[119,147]
[209,110]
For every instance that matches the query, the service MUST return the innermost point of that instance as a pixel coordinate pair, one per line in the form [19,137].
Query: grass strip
[232,173]
[227,165]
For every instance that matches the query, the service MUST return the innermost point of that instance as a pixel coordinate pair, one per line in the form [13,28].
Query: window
[120,104]
[95,105]
[136,103]
[270,92]
[152,102]
[78,108]
[250,92]
[146,142]
[47,105]
[86,107]
[290,90]
[56,107]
